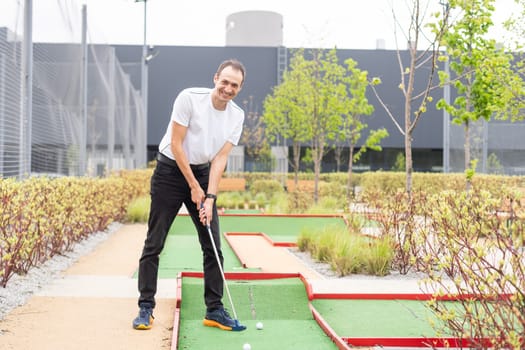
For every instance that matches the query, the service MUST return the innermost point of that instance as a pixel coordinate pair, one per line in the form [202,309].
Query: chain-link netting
[66,108]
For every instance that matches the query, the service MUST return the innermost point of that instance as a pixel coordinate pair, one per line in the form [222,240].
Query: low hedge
[432,183]
[43,217]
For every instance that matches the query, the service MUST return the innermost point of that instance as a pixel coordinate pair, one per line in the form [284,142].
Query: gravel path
[20,288]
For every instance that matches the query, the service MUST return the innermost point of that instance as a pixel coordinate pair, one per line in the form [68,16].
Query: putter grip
[206,224]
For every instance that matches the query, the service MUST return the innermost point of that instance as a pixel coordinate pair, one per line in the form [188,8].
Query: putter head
[238,327]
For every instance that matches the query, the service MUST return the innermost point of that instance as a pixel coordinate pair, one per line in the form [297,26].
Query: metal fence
[67,108]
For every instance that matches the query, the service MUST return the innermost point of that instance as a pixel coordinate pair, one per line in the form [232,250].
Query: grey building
[175,68]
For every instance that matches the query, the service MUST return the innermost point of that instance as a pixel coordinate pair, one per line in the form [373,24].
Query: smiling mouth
[226,94]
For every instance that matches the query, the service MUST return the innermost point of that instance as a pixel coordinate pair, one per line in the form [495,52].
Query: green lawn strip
[377,318]
[280,304]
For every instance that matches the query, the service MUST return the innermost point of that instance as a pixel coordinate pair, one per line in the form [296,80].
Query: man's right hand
[197,196]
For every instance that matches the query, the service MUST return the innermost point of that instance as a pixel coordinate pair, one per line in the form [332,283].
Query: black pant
[169,189]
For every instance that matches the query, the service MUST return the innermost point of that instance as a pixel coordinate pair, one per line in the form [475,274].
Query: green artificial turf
[183,253]
[278,228]
[377,318]
[280,304]
[242,211]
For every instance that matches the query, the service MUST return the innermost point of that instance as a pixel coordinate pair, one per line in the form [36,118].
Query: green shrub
[347,258]
[278,204]
[230,200]
[356,222]
[247,200]
[379,260]
[138,210]
[340,262]
[326,205]
[261,199]
[306,239]
[383,181]
[334,190]
[324,247]
[268,187]
[299,202]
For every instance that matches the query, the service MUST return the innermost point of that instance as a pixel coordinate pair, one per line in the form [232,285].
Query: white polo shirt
[208,128]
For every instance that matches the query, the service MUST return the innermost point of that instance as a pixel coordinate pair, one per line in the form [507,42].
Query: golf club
[237,327]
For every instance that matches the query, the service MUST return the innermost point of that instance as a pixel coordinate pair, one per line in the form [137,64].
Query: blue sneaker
[220,318]
[145,318]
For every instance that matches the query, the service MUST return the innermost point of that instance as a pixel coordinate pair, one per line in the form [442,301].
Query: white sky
[347,24]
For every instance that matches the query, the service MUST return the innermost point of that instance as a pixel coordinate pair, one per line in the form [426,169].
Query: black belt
[167,160]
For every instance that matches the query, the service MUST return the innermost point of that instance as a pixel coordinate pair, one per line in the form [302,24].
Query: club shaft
[221,270]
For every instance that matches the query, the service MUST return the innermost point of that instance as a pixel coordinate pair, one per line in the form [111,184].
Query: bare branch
[387,110]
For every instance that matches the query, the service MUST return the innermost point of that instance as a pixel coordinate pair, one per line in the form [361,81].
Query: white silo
[254,28]
[380,44]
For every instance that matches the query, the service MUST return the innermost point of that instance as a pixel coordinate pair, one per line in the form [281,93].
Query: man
[204,126]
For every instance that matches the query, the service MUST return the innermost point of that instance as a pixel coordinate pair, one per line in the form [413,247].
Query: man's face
[228,83]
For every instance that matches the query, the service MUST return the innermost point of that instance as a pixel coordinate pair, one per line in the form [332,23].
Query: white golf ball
[259,325]
[246,347]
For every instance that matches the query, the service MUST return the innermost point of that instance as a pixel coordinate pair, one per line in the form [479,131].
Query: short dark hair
[235,64]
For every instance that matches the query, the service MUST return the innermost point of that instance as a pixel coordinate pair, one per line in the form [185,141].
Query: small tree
[307,106]
[328,95]
[479,67]
[516,25]
[418,63]
[399,164]
[355,108]
[285,110]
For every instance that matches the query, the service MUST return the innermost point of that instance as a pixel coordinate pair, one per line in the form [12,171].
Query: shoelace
[226,313]
[146,312]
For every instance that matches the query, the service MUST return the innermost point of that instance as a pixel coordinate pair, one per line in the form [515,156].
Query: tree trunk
[338,150]
[408,146]
[467,135]
[318,157]
[296,159]
[349,188]
[467,153]
[408,121]
[408,164]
